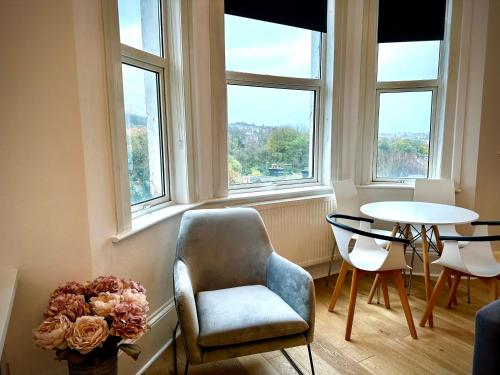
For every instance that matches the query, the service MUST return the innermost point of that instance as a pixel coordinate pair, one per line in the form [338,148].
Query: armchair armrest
[185,304]
[295,286]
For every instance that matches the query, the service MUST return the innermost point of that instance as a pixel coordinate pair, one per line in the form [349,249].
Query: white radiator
[298,229]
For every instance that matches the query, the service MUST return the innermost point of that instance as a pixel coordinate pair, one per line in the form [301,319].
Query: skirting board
[154,342]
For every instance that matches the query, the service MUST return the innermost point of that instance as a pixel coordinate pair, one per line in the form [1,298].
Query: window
[408,76]
[143,65]
[274,82]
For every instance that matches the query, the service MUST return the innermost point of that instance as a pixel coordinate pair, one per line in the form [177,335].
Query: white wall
[44,227]
[488,165]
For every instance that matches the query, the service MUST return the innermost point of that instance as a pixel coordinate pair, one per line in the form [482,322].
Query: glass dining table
[424,218]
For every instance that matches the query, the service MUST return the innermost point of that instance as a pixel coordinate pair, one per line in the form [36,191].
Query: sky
[264,48]
[261,47]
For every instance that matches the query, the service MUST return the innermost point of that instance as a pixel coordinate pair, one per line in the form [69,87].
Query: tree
[287,146]
[138,164]
[402,157]
[234,170]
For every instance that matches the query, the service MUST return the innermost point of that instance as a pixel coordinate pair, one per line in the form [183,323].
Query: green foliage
[138,164]
[402,157]
[254,149]
[234,169]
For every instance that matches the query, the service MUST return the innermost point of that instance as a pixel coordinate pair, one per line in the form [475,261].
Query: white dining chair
[437,191]
[476,259]
[347,202]
[368,257]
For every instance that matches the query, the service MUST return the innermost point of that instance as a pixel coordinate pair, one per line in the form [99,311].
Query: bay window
[408,76]
[274,76]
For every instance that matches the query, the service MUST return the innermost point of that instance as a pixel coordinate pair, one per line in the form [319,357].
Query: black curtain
[411,20]
[306,14]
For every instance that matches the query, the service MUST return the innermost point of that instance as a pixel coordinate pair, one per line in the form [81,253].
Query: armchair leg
[174,347]
[292,362]
[294,365]
[310,359]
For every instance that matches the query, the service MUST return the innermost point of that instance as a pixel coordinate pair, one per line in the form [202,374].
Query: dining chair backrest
[343,238]
[477,255]
[346,199]
[434,191]
[367,254]
[476,258]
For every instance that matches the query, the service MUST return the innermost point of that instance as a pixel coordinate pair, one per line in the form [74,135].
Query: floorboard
[381,342]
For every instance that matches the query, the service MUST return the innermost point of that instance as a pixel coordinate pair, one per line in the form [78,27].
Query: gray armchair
[234,295]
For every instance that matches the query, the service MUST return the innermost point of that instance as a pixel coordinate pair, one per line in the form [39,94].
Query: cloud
[291,59]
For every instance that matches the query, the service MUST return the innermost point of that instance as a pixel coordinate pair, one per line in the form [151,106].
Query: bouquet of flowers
[86,322]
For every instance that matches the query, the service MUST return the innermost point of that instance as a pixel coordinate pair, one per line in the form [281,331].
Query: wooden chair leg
[338,285]
[398,281]
[435,295]
[493,289]
[374,288]
[385,291]
[450,285]
[452,297]
[352,303]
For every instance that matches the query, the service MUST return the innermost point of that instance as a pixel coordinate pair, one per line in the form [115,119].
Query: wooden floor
[380,344]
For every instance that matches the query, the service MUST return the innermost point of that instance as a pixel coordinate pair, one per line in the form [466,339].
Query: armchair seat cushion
[244,314]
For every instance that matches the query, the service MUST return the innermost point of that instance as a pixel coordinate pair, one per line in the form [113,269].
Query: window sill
[266,196]
[148,220]
[387,185]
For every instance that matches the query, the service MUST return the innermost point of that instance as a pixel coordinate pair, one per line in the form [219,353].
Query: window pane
[407,61]
[404,134]
[144,145]
[270,134]
[260,47]
[140,24]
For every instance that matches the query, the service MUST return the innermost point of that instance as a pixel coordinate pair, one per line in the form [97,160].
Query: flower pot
[93,366]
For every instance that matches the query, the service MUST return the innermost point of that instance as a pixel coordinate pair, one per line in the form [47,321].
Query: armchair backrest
[434,191]
[224,248]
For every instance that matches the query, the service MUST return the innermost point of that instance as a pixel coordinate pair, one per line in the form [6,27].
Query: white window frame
[406,86]
[373,88]
[291,83]
[135,58]
[174,105]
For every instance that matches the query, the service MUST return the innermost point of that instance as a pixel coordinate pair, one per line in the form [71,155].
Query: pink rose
[71,305]
[71,287]
[103,284]
[88,332]
[52,333]
[134,285]
[104,303]
[129,321]
[136,298]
